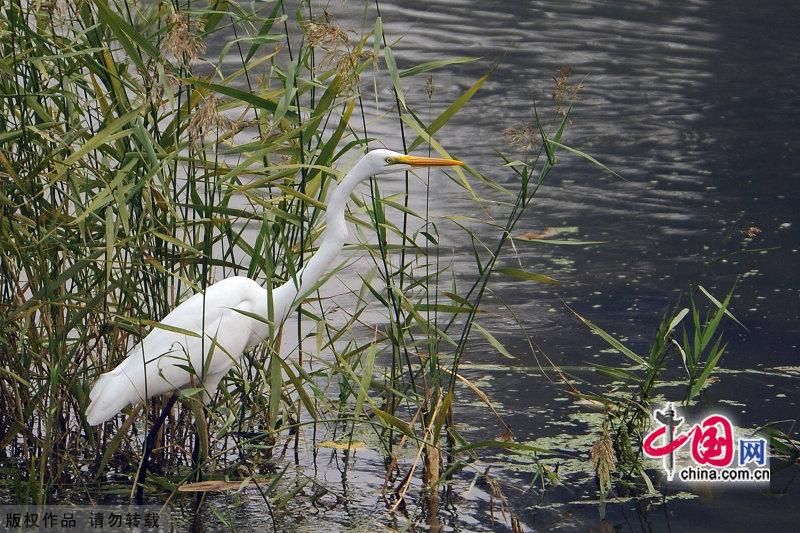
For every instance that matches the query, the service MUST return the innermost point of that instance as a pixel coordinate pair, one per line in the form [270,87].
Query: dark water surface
[696,105]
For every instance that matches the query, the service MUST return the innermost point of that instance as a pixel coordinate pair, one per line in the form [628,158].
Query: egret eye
[389,161]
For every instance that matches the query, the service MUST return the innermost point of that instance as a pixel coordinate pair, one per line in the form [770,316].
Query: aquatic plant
[628,409]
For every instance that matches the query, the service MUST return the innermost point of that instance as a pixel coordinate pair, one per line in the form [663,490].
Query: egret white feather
[191,344]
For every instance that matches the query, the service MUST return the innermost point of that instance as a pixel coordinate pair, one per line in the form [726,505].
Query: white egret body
[158,363]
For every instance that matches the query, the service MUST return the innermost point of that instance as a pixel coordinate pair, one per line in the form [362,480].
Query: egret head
[386,161]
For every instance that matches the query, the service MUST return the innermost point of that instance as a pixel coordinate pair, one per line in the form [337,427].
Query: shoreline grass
[130,182]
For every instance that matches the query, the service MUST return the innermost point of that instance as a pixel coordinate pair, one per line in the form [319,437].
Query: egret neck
[332,243]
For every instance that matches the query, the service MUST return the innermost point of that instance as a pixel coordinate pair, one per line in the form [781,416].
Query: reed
[686,338]
[137,168]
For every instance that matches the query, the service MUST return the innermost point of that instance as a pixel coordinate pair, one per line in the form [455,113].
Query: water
[696,105]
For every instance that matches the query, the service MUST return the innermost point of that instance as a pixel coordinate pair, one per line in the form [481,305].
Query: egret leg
[200,451]
[149,444]
[201,443]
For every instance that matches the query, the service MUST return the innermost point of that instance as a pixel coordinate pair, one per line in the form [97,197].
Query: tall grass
[136,170]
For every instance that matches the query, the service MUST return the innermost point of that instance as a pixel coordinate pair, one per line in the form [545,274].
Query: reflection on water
[676,100]
[695,104]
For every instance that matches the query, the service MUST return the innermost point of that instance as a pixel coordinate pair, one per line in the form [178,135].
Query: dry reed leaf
[217,485]
[546,233]
[355,445]
[507,434]
[592,404]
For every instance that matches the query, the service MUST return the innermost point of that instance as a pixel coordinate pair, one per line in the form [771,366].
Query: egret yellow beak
[419,161]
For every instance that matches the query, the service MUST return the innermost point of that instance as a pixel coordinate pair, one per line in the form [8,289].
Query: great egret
[212,344]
